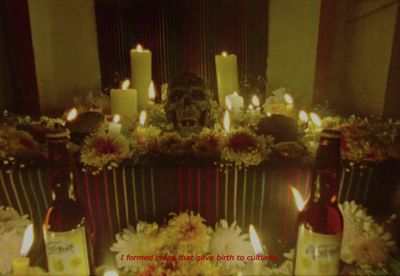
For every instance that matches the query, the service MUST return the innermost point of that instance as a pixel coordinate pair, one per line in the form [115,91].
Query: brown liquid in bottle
[66,230]
[320,223]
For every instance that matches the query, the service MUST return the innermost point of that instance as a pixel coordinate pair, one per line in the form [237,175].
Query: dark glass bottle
[66,230]
[320,223]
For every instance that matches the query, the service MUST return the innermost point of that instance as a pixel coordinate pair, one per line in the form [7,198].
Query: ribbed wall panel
[183,35]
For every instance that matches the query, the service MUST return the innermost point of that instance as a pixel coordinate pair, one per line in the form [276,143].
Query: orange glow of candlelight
[288,99]
[227,121]
[125,84]
[316,119]
[255,101]
[72,114]
[152,91]
[116,119]
[142,118]
[255,242]
[27,241]
[139,48]
[303,116]
[297,198]
[224,54]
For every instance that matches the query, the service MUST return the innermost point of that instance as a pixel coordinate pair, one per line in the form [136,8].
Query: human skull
[188,103]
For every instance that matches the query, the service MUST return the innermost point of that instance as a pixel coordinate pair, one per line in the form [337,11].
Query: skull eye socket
[197,94]
[176,95]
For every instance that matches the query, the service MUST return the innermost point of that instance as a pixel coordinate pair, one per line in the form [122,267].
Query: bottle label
[317,254]
[67,252]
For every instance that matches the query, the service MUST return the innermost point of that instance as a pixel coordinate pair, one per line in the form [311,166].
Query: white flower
[12,228]
[364,240]
[229,240]
[140,242]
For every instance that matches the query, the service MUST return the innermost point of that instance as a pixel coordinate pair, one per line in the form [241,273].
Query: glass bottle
[66,230]
[320,223]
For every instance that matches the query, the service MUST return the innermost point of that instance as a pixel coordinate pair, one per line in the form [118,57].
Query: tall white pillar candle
[227,75]
[141,74]
[124,101]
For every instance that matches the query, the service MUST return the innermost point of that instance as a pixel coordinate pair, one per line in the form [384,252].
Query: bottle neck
[62,185]
[327,172]
[60,170]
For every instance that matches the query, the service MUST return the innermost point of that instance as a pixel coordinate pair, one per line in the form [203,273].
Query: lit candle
[152,93]
[124,100]
[234,102]
[303,121]
[298,199]
[72,115]
[114,128]
[256,244]
[20,265]
[289,104]
[316,120]
[227,121]
[256,103]
[227,75]
[142,118]
[251,109]
[303,117]
[141,74]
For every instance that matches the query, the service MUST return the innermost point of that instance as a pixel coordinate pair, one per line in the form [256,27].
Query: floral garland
[364,140]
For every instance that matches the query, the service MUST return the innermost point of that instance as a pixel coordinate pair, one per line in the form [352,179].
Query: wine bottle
[320,223]
[66,231]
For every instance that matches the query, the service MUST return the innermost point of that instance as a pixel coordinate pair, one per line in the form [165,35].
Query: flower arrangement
[367,247]
[16,143]
[12,228]
[187,235]
[102,149]
[244,148]
[277,104]
[364,139]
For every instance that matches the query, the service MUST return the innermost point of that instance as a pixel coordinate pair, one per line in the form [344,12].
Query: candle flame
[125,84]
[227,121]
[228,103]
[110,273]
[297,198]
[27,241]
[142,118]
[116,118]
[139,48]
[255,242]
[152,91]
[251,107]
[315,119]
[72,114]
[255,101]
[288,99]
[303,116]
[224,54]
